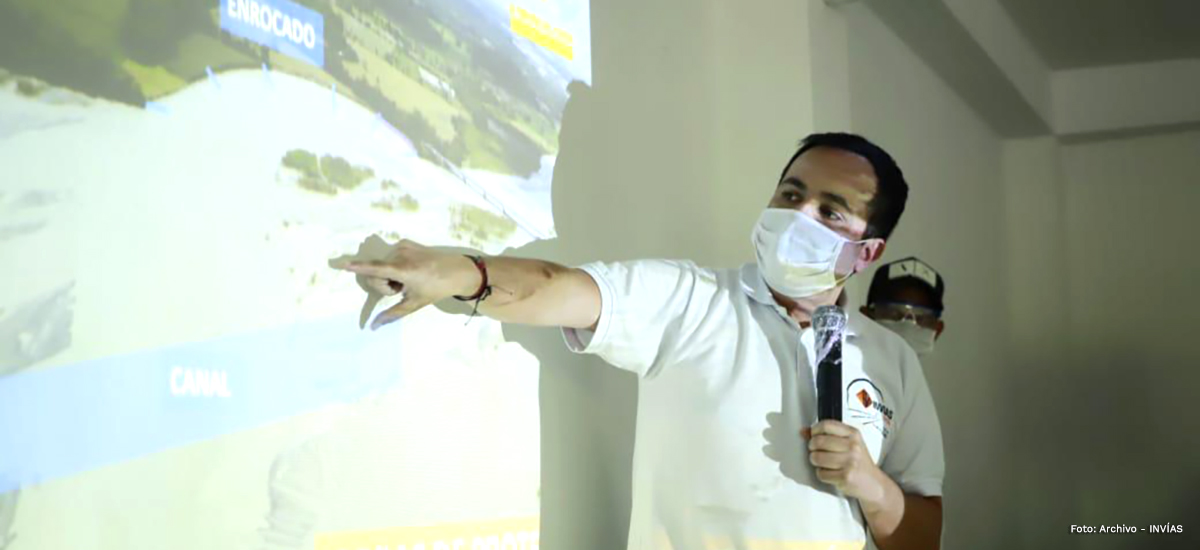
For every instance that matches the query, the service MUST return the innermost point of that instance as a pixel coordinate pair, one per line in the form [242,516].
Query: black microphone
[829,325]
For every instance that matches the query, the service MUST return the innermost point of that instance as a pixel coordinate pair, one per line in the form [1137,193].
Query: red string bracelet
[485,289]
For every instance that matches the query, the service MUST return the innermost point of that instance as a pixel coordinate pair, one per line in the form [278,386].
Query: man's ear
[940,327]
[870,251]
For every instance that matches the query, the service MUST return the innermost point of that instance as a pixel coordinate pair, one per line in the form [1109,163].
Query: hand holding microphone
[836,449]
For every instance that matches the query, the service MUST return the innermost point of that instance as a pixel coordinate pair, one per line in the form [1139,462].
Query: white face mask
[799,257]
[920,338]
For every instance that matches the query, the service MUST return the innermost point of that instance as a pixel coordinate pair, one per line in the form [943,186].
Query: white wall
[954,221]
[1037,472]
[763,105]
[675,150]
[1132,299]
[1126,97]
[1103,369]
[990,26]
[673,154]
[1067,374]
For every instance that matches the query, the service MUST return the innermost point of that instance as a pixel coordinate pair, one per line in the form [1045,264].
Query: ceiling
[1072,34]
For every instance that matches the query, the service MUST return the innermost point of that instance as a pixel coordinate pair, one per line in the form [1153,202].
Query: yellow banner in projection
[763,545]
[709,542]
[542,33]
[504,534]
[518,534]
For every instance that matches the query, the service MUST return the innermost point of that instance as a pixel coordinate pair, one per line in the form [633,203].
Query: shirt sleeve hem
[922,487]
[576,339]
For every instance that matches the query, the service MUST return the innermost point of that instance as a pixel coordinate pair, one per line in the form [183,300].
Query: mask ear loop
[847,256]
[842,258]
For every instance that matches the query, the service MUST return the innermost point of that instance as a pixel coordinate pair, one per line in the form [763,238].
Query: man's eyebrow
[836,199]
[795,181]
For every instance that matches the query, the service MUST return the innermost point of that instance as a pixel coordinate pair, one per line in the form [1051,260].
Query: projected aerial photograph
[178,174]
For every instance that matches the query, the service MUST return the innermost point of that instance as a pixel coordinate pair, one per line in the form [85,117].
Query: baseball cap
[910,272]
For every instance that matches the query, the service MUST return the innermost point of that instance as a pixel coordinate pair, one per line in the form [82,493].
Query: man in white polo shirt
[728,452]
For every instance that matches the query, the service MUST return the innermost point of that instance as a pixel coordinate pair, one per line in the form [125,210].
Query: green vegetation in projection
[479,227]
[402,203]
[445,73]
[396,201]
[344,175]
[302,161]
[27,87]
[434,66]
[327,175]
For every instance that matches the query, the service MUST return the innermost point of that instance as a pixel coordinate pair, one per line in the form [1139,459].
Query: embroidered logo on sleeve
[864,404]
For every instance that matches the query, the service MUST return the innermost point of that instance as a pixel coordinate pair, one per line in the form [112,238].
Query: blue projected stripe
[73,418]
[283,26]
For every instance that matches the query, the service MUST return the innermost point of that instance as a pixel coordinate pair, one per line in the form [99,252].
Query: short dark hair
[885,208]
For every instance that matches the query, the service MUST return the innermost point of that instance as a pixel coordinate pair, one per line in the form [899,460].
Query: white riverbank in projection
[228,224]
[172,240]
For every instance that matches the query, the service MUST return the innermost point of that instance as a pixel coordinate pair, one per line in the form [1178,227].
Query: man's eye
[791,196]
[831,214]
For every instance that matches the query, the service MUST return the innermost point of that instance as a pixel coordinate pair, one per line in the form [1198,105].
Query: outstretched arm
[524,291]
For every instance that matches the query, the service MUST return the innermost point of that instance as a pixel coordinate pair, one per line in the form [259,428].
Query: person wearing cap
[906,297]
[722,353]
